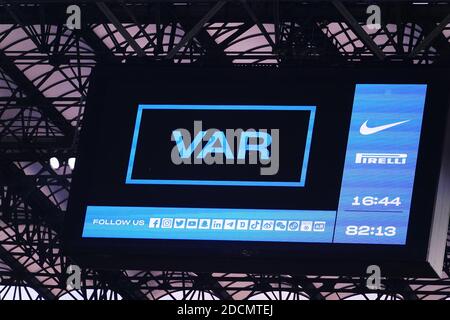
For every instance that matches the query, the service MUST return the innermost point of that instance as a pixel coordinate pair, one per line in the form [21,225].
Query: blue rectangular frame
[300,183]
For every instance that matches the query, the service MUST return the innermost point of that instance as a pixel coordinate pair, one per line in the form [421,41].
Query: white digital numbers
[378,231]
[369,201]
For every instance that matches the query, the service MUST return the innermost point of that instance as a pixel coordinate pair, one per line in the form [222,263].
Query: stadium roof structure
[44,80]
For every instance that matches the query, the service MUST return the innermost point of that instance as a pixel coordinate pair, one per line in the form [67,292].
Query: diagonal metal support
[22,273]
[276,21]
[308,287]
[33,93]
[93,41]
[20,183]
[122,285]
[209,281]
[54,218]
[139,26]
[401,285]
[11,9]
[120,28]
[240,31]
[355,26]
[426,42]
[312,30]
[258,23]
[213,51]
[191,33]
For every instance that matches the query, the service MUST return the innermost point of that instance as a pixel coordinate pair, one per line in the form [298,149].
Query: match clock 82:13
[379,231]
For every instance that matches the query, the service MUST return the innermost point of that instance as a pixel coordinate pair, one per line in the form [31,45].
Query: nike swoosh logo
[365,130]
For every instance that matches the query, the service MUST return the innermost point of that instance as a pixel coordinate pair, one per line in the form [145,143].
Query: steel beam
[54,218]
[45,106]
[192,33]
[426,42]
[120,28]
[24,274]
[359,31]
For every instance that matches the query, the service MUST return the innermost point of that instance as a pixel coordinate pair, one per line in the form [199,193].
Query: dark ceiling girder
[8,143]
[139,25]
[44,105]
[213,51]
[318,11]
[22,273]
[401,285]
[40,204]
[38,150]
[312,34]
[207,282]
[7,176]
[258,23]
[120,28]
[308,287]
[440,43]
[122,285]
[96,44]
[240,31]
[11,9]
[276,20]
[195,29]
[426,42]
[20,183]
[359,31]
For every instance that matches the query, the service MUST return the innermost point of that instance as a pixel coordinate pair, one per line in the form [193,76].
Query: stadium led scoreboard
[262,170]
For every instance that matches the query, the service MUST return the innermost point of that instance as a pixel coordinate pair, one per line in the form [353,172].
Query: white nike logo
[365,130]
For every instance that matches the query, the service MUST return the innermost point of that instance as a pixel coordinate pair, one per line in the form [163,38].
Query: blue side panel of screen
[209,224]
[380,164]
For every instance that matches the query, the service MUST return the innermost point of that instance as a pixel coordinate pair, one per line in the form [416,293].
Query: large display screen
[252,157]
[373,201]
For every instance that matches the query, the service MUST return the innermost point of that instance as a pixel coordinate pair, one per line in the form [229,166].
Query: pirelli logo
[381,158]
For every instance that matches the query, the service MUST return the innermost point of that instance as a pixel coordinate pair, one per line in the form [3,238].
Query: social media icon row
[237,224]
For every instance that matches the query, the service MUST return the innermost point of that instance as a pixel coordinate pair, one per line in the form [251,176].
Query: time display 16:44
[369,201]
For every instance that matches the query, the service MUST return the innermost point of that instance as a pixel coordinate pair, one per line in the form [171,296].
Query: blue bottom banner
[209,224]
